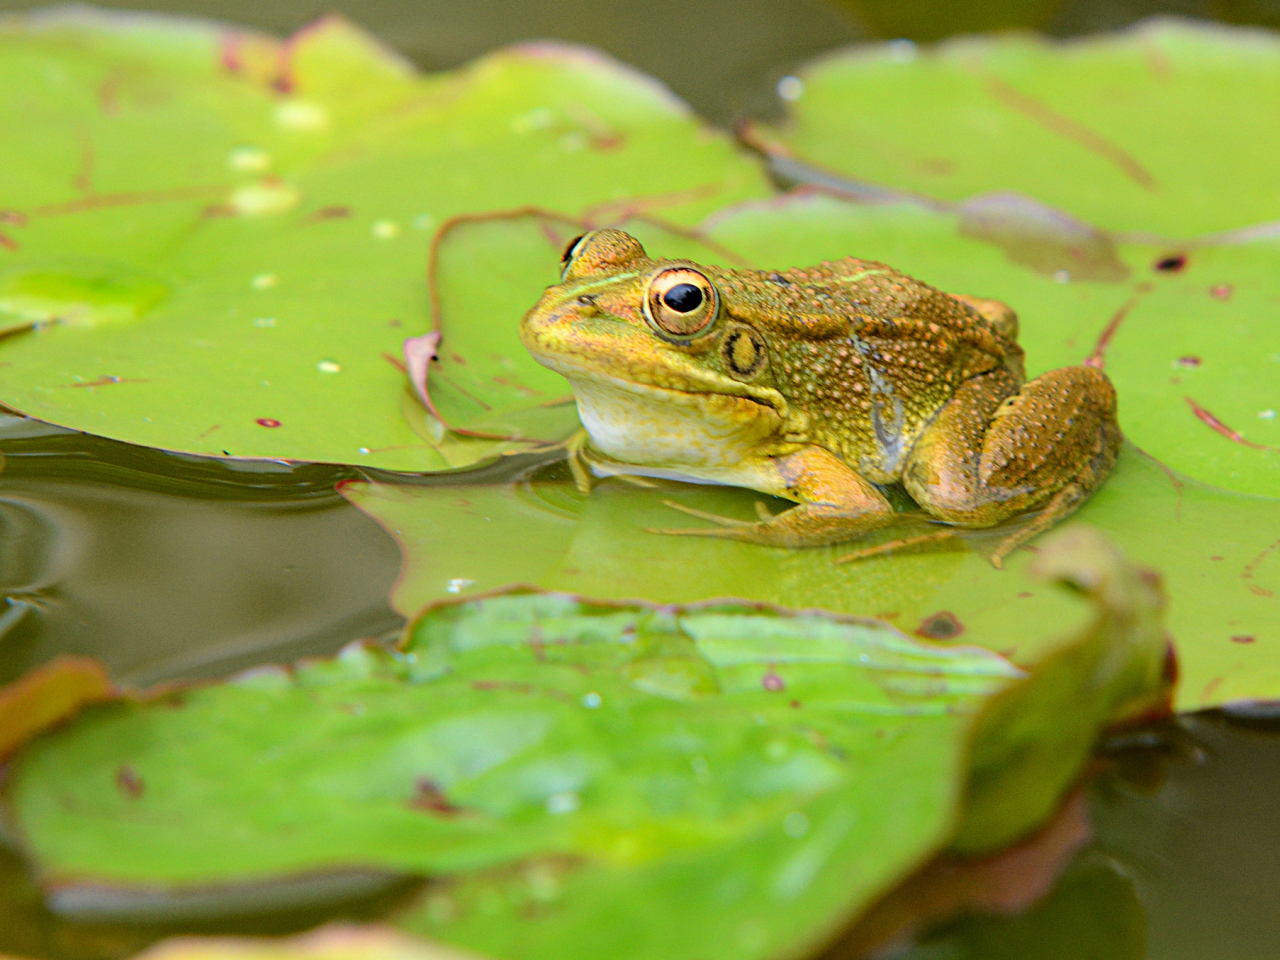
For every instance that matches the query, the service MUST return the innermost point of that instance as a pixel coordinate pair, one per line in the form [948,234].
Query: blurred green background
[723,56]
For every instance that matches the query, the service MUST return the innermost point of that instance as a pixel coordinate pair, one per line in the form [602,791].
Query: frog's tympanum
[822,385]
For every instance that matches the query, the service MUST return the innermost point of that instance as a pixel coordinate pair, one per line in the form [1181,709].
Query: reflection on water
[166,568]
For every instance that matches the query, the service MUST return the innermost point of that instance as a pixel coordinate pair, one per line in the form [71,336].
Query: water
[168,567]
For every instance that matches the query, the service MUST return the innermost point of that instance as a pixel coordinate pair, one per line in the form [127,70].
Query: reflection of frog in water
[819,385]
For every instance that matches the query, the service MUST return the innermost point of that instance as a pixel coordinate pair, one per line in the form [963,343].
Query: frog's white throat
[705,436]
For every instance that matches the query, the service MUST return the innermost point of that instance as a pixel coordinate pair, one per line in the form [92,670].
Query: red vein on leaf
[626,209]
[1098,358]
[88,159]
[105,381]
[1252,566]
[1219,427]
[99,201]
[1064,126]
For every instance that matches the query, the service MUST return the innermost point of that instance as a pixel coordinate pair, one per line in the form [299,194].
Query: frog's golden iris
[681,302]
[823,385]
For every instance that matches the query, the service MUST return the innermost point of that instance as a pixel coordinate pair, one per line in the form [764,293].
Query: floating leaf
[753,776]
[47,695]
[223,238]
[1214,548]
[1167,128]
[1217,549]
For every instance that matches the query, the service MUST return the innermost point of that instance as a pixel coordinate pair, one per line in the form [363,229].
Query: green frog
[823,385]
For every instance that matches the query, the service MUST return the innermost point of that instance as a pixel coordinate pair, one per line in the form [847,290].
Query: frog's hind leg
[997,450]
[835,503]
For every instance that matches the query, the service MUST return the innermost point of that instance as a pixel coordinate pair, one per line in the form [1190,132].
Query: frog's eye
[600,251]
[681,302]
[568,251]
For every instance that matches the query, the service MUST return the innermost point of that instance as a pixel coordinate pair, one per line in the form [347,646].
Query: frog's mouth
[610,352]
[690,386]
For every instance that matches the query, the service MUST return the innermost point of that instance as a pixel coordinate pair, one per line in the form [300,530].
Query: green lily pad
[573,769]
[1216,547]
[216,242]
[1167,128]
[1215,550]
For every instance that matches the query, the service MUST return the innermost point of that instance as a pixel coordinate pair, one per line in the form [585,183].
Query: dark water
[168,567]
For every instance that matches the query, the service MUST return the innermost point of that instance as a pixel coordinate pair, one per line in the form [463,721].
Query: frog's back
[867,352]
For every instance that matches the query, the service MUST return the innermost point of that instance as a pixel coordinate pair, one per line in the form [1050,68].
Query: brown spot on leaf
[330,213]
[1243,638]
[428,797]
[772,682]
[129,783]
[1173,263]
[1222,291]
[943,625]
[267,422]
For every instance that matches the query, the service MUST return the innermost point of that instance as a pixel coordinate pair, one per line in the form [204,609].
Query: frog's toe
[704,515]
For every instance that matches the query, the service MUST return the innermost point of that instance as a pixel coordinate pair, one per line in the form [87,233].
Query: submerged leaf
[569,770]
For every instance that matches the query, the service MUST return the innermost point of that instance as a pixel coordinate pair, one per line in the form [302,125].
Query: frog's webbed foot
[581,466]
[897,544]
[835,504]
[577,461]
[725,523]
[1063,504]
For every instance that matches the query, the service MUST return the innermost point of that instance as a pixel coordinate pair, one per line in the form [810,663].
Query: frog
[830,386]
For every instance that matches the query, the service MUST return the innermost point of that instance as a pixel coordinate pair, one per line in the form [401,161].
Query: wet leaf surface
[248,293]
[1164,129]
[1217,548]
[569,770]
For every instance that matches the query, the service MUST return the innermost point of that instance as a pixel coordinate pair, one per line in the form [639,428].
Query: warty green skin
[820,384]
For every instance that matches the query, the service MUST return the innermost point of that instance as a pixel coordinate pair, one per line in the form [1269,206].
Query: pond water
[168,567]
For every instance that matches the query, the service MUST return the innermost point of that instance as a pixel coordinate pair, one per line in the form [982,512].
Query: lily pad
[1217,548]
[216,242]
[1167,128]
[570,770]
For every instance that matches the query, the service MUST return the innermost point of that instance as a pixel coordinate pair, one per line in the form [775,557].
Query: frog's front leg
[835,503]
[997,450]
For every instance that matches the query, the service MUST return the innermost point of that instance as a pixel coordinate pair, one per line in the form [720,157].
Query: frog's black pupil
[683,298]
[568,251]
